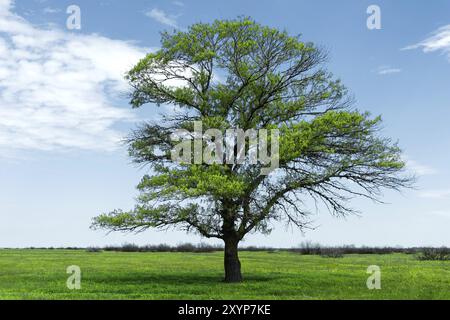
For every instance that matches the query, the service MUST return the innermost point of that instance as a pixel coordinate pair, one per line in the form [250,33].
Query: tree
[240,74]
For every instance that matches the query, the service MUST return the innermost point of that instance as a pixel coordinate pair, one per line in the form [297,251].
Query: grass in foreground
[41,274]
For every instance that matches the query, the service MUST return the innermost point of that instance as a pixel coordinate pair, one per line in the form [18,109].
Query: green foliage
[434,254]
[240,74]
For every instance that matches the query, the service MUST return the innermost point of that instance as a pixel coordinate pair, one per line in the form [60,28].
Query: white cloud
[435,194]
[51,10]
[439,40]
[5,6]
[178,3]
[57,89]
[419,168]
[162,17]
[441,213]
[385,70]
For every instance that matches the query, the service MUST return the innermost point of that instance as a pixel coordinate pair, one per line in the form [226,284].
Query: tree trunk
[231,262]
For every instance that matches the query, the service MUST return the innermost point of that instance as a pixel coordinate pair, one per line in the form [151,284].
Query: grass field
[41,274]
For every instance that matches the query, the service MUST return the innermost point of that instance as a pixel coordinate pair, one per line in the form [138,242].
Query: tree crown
[240,74]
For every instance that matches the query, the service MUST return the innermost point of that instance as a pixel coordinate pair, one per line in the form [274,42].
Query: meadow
[41,274]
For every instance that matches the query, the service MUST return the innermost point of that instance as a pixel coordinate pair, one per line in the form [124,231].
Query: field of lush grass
[41,274]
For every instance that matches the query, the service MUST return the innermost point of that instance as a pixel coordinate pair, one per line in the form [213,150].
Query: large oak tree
[240,74]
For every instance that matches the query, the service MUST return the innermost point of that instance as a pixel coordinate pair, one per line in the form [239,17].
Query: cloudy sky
[63,111]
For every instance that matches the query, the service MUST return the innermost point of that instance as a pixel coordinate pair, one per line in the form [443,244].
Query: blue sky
[62,112]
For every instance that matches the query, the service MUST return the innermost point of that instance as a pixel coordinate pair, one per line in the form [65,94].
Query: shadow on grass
[138,278]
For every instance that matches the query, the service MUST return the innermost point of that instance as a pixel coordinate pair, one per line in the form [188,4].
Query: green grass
[41,274]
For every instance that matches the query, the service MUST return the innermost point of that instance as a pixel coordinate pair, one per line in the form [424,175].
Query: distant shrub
[110,248]
[156,248]
[331,253]
[434,254]
[205,248]
[308,248]
[129,247]
[258,249]
[183,247]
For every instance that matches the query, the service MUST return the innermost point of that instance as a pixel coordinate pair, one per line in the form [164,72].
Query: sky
[64,112]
